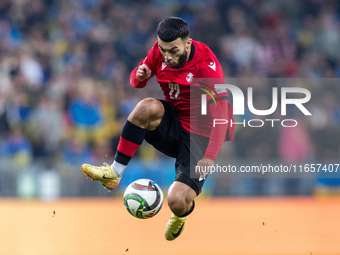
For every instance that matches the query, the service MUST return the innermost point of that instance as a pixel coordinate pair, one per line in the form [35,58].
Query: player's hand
[143,72]
[203,168]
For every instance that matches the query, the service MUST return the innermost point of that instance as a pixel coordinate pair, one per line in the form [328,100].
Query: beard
[181,60]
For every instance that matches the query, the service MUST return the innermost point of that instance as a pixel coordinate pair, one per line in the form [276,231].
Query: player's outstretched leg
[181,202]
[147,115]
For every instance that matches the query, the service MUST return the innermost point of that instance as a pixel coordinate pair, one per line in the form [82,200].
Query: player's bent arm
[204,163]
[135,82]
[203,167]
[143,73]
[218,133]
[140,76]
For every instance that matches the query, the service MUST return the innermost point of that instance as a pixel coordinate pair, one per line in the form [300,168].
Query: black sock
[131,138]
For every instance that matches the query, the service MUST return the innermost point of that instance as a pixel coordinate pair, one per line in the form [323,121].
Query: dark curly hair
[171,28]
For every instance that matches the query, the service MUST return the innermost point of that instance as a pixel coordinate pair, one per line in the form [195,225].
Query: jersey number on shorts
[174,91]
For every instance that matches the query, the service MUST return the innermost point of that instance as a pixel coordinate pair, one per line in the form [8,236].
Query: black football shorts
[174,141]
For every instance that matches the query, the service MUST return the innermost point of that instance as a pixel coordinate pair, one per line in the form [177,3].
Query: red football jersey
[181,88]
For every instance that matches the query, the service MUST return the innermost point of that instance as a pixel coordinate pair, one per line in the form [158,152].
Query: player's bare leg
[147,114]
[181,202]
[180,197]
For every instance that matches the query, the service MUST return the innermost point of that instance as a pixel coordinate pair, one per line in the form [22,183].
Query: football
[143,198]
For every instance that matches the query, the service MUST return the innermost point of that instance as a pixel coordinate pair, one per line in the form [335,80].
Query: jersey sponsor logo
[190,77]
[163,65]
[212,65]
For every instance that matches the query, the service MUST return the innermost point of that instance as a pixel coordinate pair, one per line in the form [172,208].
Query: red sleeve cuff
[135,82]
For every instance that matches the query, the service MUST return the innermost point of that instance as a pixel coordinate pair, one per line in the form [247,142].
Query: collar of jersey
[192,52]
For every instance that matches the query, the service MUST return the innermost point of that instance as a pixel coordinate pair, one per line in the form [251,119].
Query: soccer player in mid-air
[175,125]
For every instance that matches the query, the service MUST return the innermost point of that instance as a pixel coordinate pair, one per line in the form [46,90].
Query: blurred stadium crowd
[65,64]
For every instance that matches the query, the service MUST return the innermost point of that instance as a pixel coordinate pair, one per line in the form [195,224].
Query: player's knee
[177,205]
[148,108]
